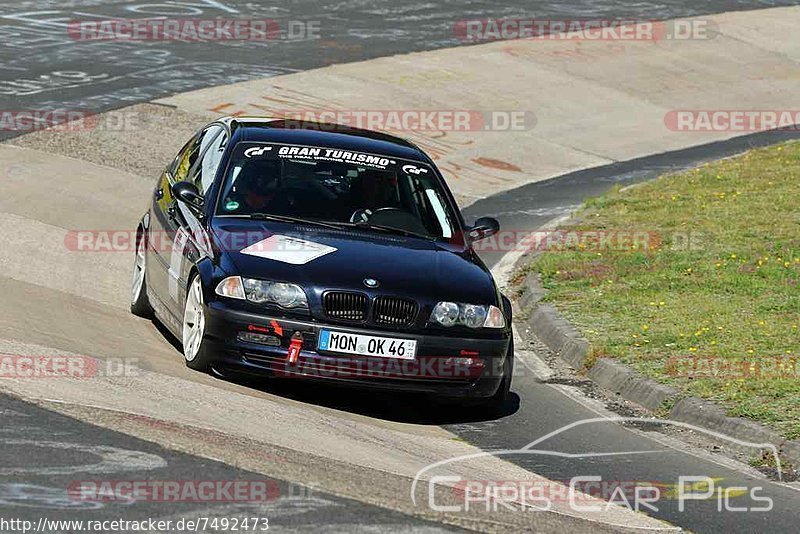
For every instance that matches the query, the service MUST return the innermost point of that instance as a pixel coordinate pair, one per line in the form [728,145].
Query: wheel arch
[508,309]
[205,269]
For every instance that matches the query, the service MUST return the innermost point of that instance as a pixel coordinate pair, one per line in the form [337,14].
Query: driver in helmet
[372,191]
[257,184]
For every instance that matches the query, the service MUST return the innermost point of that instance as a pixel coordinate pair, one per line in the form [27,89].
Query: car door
[191,241]
[160,235]
[168,227]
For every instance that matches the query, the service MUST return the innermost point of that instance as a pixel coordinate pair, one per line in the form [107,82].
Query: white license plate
[385,347]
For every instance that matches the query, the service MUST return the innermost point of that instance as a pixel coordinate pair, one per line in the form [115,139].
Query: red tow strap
[294,348]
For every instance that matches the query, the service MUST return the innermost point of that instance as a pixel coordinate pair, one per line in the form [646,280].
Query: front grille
[391,311]
[345,306]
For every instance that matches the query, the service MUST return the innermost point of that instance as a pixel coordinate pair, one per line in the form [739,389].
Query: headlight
[471,315]
[445,313]
[285,295]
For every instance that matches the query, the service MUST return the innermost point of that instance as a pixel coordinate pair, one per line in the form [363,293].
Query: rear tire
[140,305]
[195,347]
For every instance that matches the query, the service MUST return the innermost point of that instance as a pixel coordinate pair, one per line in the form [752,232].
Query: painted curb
[566,342]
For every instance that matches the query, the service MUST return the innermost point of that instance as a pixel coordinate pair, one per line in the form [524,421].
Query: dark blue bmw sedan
[322,252]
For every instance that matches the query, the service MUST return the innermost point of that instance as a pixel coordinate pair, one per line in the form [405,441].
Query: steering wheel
[361,216]
[394,217]
[364,215]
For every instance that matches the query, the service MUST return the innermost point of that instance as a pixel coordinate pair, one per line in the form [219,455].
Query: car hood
[404,266]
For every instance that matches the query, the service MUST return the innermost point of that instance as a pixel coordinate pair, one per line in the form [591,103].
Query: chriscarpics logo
[446,486]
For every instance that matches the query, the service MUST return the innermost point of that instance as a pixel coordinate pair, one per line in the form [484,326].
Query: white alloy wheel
[194,321]
[137,281]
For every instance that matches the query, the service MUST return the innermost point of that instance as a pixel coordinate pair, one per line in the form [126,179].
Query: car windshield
[335,186]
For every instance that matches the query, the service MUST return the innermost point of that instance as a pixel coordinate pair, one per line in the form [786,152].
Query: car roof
[326,135]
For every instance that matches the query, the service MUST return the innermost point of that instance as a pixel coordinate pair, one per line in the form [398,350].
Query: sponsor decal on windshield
[322,154]
[256,151]
[411,169]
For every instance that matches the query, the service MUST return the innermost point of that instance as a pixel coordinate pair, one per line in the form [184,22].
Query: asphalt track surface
[43,68]
[44,453]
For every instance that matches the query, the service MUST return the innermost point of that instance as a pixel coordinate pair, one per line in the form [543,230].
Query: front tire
[140,305]
[195,347]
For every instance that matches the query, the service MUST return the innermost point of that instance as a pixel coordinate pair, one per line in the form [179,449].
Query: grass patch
[718,284]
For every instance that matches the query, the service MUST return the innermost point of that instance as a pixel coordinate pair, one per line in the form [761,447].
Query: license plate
[385,347]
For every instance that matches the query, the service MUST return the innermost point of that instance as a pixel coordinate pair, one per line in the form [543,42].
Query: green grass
[723,283]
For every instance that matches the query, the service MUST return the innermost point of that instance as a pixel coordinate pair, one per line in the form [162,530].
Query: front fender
[209,276]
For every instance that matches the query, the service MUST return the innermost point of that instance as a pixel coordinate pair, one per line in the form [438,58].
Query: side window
[165,200]
[185,164]
[212,146]
[185,158]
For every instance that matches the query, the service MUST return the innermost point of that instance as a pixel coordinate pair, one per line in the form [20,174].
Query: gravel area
[139,139]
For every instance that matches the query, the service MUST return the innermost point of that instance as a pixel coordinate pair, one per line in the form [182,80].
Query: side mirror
[187,193]
[483,228]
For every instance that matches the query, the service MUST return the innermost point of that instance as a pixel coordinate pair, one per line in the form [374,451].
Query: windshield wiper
[288,219]
[340,226]
[390,230]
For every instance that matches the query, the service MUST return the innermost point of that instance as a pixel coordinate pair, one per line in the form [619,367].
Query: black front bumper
[447,367]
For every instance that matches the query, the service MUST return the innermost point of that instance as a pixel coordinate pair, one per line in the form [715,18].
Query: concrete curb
[708,415]
[624,381]
[532,292]
[566,342]
[559,335]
